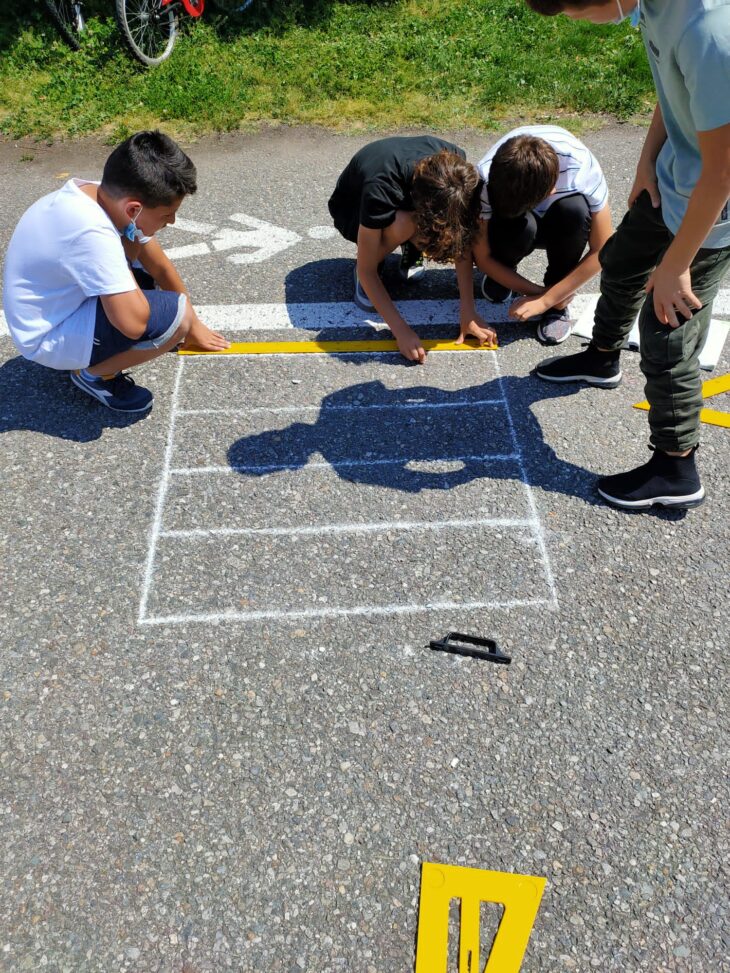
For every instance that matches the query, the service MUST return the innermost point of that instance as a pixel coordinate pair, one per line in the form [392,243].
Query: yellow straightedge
[330,347]
[713,417]
[519,894]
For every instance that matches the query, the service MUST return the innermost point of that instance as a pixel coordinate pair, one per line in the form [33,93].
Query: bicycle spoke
[149,28]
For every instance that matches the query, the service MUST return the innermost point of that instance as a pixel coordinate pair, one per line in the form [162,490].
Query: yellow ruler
[330,347]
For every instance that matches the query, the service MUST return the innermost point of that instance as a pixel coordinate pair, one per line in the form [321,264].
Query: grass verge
[345,65]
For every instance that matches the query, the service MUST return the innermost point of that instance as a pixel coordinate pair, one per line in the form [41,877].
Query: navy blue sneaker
[118,393]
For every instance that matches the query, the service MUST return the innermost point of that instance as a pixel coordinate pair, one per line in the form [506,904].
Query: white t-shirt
[64,253]
[579,170]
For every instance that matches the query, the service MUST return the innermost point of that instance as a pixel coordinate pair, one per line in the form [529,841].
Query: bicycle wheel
[148,28]
[231,6]
[68,20]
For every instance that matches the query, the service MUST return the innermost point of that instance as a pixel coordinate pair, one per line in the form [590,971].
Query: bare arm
[128,312]
[368,257]
[470,323]
[159,266]
[671,281]
[162,270]
[560,293]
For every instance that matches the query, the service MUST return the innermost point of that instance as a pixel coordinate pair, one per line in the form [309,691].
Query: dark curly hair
[445,193]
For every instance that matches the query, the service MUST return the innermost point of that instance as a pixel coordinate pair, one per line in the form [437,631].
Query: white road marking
[193,226]
[321,232]
[261,238]
[322,316]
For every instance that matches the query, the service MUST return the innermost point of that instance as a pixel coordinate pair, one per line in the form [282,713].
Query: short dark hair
[445,193]
[152,167]
[523,172]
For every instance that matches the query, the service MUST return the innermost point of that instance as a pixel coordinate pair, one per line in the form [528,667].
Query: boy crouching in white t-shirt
[80,273]
[543,189]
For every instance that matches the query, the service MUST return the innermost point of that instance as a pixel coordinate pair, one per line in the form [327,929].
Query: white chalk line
[233,616]
[339,464]
[354,407]
[161,495]
[364,528]
[324,315]
[533,523]
[539,532]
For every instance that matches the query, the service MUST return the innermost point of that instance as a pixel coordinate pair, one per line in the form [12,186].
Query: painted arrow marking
[260,239]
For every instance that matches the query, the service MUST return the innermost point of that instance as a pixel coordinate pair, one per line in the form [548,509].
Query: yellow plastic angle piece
[519,894]
[330,347]
[713,386]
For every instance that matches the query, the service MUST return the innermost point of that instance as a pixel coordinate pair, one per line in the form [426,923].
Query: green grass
[441,64]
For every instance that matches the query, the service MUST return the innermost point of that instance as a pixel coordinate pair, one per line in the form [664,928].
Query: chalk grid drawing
[231,559]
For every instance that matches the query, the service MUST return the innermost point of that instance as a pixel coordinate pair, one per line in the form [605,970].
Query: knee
[182,329]
[573,213]
[186,321]
[514,238]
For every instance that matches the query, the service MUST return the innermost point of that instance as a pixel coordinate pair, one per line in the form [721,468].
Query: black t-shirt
[377,180]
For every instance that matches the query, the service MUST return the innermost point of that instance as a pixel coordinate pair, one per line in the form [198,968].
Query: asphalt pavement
[225,744]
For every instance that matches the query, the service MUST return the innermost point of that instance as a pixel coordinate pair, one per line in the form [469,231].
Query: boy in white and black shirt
[543,189]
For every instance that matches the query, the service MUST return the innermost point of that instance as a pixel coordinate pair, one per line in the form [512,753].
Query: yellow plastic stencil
[330,347]
[519,894]
[713,417]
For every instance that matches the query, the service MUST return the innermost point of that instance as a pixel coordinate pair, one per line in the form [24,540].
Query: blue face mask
[131,232]
[633,16]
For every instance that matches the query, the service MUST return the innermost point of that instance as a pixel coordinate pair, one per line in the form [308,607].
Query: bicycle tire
[67,19]
[148,30]
[231,6]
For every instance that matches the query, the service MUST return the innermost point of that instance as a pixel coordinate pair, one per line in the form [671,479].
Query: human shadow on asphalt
[331,279]
[423,438]
[43,400]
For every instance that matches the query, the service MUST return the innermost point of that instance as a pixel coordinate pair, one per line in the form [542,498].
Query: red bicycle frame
[193,7]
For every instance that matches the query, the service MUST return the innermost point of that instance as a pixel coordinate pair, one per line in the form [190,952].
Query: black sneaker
[494,292]
[669,481]
[411,266]
[600,368]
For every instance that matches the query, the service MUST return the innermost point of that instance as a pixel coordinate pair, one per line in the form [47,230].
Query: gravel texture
[259,795]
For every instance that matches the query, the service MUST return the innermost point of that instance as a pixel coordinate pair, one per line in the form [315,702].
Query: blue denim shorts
[166,311]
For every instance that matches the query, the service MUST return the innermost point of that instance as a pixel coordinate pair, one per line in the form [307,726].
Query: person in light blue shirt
[672,249]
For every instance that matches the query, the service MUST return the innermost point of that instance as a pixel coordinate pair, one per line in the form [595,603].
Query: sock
[96,378]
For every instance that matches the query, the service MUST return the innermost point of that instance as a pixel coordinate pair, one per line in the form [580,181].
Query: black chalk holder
[473,646]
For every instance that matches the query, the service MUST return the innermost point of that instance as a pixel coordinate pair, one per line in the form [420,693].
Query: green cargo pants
[669,356]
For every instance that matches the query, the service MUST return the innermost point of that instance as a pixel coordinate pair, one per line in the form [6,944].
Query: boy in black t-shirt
[418,193]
